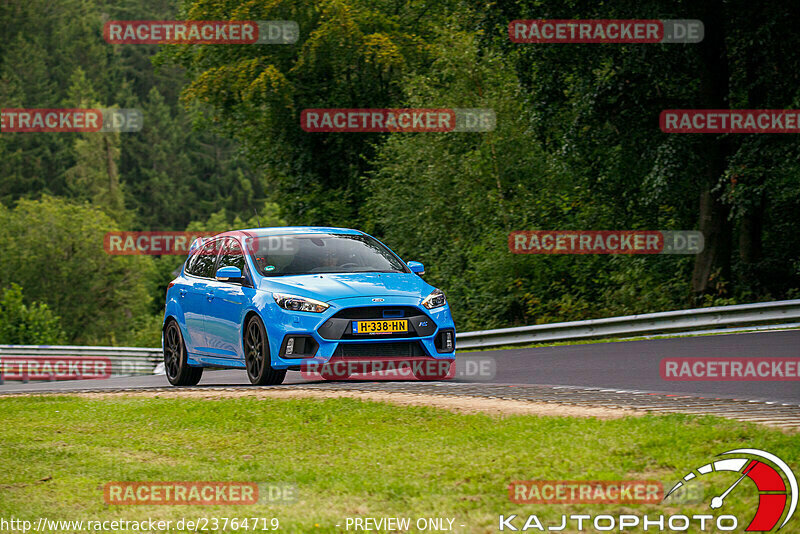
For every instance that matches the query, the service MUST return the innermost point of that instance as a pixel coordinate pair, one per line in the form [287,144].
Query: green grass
[348,458]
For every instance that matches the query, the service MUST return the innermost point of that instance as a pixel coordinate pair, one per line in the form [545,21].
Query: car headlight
[294,303]
[435,299]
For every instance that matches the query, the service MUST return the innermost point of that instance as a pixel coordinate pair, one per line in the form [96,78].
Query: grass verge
[349,458]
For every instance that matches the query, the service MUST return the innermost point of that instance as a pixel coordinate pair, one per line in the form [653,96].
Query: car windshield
[322,253]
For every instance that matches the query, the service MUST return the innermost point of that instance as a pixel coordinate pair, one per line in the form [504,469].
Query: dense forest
[577,146]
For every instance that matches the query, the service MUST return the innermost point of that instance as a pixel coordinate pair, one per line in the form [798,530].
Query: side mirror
[230,274]
[416,267]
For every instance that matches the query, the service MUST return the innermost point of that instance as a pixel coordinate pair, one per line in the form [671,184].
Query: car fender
[173,310]
[263,305]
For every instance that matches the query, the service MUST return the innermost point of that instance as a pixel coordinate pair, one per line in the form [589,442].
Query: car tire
[176,366]
[257,355]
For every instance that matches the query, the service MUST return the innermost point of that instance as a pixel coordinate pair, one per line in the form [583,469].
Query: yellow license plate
[389,326]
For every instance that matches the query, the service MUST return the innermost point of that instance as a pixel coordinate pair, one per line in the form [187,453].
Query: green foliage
[44,45]
[597,106]
[22,324]
[577,146]
[143,331]
[54,249]
[351,53]
[265,216]
[469,191]
[54,55]
[172,158]
[95,175]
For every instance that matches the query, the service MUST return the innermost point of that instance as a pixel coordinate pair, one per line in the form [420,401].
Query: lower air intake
[400,349]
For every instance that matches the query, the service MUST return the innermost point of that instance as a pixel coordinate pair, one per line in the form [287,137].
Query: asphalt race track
[629,365]
[635,364]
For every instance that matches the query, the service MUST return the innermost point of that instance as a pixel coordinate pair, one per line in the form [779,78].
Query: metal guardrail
[143,361]
[634,325]
[125,361]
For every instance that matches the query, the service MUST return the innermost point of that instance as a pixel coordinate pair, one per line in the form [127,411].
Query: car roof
[288,230]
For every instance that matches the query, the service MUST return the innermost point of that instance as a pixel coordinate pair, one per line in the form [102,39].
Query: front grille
[399,349]
[378,312]
[340,325]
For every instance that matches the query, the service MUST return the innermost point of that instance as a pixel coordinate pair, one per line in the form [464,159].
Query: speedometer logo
[765,473]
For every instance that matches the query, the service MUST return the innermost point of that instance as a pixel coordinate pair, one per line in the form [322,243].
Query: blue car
[270,300]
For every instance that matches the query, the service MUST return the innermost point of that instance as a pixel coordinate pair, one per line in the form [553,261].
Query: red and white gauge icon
[772,491]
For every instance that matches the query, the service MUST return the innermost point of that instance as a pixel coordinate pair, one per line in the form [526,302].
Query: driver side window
[232,256]
[206,257]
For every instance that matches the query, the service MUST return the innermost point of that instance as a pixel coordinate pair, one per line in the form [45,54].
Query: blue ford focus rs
[269,300]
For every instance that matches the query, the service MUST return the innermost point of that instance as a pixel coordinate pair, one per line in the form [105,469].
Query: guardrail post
[1,376]
[25,376]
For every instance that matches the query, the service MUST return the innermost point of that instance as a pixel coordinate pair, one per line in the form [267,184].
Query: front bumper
[319,337]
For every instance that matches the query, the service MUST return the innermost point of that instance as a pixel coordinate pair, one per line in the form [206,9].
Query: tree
[22,324]
[450,201]
[43,45]
[350,53]
[95,175]
[598,107]
[54,249]
[55,56]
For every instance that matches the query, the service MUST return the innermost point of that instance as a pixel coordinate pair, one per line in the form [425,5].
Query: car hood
[327,287]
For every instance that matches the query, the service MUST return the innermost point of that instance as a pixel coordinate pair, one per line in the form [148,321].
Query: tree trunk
[715,257]
[750,247]
[714,88]
[750,235]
